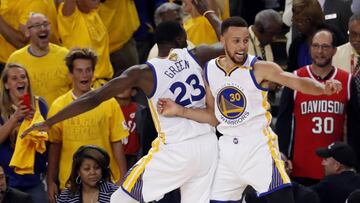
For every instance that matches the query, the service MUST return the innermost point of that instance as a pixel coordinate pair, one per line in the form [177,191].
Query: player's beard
[233,58]
[326,63]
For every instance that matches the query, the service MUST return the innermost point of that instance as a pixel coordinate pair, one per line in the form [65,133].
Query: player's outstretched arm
[135,76]
[270,71]
[169,108]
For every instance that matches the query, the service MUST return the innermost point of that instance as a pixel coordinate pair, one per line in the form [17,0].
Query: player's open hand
[168,108]
[42,127]
[332,86]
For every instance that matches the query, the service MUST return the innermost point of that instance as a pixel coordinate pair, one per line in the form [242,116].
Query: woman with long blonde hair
[16,104]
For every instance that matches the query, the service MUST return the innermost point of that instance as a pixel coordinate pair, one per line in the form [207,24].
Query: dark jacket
[336,188]
[301,194]
[16,196]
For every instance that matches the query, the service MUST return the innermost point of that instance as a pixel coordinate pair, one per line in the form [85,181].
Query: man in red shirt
[307,122]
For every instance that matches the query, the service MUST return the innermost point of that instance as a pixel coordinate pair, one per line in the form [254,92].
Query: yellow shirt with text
[100,126]
[48,74]
[87,30]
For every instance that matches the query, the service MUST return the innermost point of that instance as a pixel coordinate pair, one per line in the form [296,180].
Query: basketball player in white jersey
[248,149]
[185,153]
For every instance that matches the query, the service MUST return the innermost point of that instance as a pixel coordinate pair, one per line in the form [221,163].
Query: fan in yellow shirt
[197,27]
[13,18]
[45,62]
[81,26]
[104,126]
[121,20]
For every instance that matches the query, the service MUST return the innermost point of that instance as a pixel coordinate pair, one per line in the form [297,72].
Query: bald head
[38,30]
[33,17]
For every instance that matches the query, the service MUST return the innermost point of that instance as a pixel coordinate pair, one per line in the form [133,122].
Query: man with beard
[237,94]
[307,122]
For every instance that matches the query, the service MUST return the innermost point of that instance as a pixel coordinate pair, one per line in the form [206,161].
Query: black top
[16,196]
[336,188]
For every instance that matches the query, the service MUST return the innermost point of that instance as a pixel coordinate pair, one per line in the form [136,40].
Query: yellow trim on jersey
[276,155]
[139,169]
[156,121]
[228,72]
[266,106]
[272,141]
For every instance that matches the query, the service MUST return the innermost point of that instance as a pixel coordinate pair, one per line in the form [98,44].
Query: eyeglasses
[324,47]
[39,26]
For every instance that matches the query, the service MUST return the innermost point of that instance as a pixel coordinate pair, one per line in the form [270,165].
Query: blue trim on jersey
[256,83]
[206,72]
[228,201]
[275,189]
[253,61]
[193,56]
[128,193]
[155,79]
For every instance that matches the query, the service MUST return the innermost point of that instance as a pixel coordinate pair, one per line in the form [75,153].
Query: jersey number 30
[323,125]
[196,94]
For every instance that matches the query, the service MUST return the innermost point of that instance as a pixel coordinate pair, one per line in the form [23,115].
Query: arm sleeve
[283,127]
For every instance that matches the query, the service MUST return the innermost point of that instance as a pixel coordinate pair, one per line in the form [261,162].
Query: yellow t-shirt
[121,19]
[99,126]
[48,74]
[199,31]
[87,30]
[226,11]
[16,13]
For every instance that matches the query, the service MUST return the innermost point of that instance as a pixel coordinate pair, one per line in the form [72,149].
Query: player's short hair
[235,21]
[168,31]
[80,53]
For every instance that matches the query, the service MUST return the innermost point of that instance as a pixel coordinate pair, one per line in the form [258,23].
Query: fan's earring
[78,180]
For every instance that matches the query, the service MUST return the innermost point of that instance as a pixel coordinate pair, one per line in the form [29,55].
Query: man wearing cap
[340,178]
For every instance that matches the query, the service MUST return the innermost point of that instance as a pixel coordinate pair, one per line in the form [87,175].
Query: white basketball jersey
[240,102]
[179,78]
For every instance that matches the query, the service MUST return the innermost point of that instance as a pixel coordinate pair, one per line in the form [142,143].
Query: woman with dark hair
[18,104]
[89,180]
